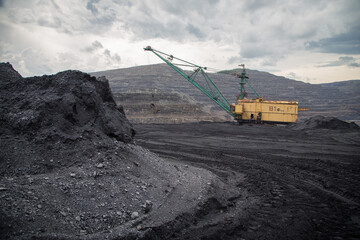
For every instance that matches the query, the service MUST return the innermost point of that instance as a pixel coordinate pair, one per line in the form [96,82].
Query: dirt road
[282,183]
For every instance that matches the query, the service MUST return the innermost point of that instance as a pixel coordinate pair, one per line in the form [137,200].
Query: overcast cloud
[314,41]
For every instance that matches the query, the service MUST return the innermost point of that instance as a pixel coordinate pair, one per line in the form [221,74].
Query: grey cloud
[107,53]
[92,16]
[94,46]
[173,29]
[111,58]
[260,49]
[55,5]
[117,57]
[90,6]
[250,52]
[22,16]
[123,2]
[263,31]
[292,75]
[233,59]
[345,43]
[145,29]
[343,61]
[97,44]
[142,21]
[53,22]
[270,62]
[195,31]
[184,8]
[173,7]
[104,20]
[36,67]
[41,13]
[254,5]
[194,18]
[354,64]
[171,20]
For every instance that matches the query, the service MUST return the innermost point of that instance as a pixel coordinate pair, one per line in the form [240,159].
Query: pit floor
[296,184]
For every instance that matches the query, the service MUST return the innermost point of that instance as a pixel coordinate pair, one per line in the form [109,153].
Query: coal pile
[65,108]
[321,122]
[64,105]
[70,168]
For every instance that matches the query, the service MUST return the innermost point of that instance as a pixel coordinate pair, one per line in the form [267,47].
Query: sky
[311,41]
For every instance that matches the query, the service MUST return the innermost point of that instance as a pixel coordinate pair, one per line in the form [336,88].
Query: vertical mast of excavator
[243,76]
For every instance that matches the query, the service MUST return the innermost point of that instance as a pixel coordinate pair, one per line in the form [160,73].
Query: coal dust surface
[295,184]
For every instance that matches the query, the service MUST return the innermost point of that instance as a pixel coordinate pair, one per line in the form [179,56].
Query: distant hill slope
[157,106]
[350,87]
[339,99]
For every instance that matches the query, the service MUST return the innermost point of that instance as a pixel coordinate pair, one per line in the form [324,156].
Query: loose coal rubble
[69,168]
[321,122]
[65,105]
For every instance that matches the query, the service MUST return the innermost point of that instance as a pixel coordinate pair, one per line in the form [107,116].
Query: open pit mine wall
[154,106]
[338,100]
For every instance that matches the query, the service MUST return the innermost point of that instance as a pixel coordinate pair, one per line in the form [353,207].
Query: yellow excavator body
[261,110]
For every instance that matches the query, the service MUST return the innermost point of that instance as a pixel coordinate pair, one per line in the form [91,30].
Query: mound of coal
[65,105]
[321,122]
[70,169]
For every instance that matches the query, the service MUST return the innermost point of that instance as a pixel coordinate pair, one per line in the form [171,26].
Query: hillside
[159,106]
[334,99]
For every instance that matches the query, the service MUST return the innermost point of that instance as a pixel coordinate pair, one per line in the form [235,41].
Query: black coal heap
[68,104]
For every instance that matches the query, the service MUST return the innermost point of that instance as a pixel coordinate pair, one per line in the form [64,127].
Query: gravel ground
[294,184]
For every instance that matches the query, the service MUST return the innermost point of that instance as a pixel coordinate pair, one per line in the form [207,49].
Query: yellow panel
[273,111]
[239,109]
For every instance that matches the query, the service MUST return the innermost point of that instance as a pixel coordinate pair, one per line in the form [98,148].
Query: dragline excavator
[244,110]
